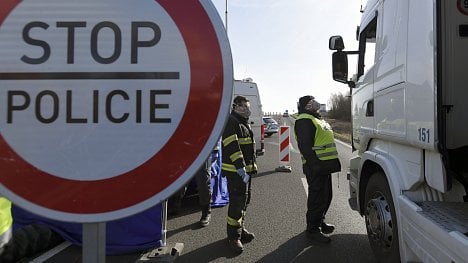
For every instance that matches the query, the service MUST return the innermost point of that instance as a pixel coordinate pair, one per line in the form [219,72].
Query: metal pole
[226,19]
[164,223]
[94,242]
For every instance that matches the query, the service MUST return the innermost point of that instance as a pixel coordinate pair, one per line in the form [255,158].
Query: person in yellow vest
[319,160]
[6,222]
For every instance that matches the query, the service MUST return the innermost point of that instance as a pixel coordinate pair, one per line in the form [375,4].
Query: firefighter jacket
[316,143]
[238,145]
[5,220]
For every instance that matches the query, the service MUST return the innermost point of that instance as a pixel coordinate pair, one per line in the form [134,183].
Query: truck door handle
[370,108]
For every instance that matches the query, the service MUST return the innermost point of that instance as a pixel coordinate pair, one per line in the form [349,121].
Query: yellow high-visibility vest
[324,141]
[6,220]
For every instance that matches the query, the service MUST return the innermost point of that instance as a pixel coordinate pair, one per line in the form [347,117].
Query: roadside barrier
[284,151]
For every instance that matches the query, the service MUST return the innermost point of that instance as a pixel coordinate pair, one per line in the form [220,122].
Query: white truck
[249,89]
[410,128]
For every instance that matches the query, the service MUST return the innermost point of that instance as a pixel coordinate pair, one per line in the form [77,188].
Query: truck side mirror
[336,43]
[340,66]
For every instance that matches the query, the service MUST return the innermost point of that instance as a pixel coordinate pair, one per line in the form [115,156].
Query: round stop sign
[108,107]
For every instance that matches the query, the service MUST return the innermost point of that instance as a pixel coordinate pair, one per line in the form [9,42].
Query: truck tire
[381,220]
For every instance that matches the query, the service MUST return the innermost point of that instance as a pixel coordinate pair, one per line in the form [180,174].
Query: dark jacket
[238,145]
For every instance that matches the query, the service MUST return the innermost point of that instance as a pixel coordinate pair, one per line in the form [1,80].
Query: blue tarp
[132,234]
[220,195]
[128,235]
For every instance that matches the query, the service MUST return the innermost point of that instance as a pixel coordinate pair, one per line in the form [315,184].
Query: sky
[283,46]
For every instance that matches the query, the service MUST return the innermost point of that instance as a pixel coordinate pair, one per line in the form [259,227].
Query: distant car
[286,114]
[271,126]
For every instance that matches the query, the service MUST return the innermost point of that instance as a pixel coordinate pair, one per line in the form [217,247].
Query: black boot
[206,216]
[235,245]
[246,236]
[327,228]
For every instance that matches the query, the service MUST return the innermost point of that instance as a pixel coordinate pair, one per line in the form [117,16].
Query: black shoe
[205,219]
[318,236]
[327,228]
[246,236]
[236,245]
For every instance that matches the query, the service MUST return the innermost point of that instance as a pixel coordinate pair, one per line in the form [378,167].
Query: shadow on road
[208,253]
[343,248]
[263,174]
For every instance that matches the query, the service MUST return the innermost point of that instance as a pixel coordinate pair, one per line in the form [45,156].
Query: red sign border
[461,9]
[138,185]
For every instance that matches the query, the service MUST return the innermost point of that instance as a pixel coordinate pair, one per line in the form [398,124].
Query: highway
[277,217]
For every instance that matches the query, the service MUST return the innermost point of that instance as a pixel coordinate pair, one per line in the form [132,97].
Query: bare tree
[340,107]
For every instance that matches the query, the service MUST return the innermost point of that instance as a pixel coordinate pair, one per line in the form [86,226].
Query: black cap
[238,100]
[303,102]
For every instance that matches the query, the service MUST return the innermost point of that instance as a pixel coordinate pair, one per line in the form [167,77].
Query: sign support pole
[164,223]
[94,242]
[164,253]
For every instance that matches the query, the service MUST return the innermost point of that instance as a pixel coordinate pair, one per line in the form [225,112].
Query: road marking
[343,143]
[52,252]
[306,186]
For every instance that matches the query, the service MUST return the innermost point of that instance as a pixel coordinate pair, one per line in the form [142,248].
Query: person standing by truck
[319,159]
[238,155]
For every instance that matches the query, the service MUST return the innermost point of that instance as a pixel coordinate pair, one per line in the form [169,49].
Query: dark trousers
[239,198]
[203,178]
[319,198]
[28,241]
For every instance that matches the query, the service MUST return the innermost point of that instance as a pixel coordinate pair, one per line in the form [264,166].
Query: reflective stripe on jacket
[324,142]
[238,145]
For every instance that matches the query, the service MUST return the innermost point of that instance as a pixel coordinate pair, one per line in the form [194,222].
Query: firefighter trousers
[239,198]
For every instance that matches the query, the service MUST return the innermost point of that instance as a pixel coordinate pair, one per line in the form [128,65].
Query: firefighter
[238,148]
[319,160]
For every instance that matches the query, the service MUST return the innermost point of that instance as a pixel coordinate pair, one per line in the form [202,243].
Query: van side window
[367,40]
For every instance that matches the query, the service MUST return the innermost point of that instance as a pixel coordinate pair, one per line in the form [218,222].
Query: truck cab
[409,111]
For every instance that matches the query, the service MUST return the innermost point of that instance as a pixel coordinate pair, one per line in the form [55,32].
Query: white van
[249,89]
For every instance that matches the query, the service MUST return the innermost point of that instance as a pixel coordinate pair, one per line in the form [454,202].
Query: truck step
[451,216]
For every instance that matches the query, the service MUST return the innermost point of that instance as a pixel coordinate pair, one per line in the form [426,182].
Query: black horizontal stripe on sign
[88,75]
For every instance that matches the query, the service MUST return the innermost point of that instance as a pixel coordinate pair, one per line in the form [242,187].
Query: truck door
[453,63]
[362,95]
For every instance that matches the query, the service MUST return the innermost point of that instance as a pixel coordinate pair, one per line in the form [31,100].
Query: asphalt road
[277,217]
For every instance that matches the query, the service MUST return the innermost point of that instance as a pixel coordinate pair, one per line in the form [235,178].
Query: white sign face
[96,94]
[75,121]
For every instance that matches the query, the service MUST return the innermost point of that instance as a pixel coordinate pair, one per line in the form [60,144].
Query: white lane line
[52,252]
[343,143]
[306,186]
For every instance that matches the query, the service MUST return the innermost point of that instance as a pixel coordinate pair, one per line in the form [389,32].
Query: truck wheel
[381,222]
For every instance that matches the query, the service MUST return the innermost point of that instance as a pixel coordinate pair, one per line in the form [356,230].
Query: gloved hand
[245,176]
